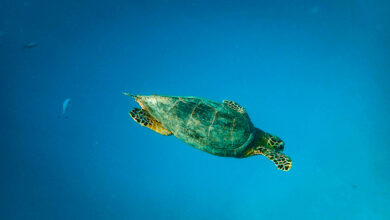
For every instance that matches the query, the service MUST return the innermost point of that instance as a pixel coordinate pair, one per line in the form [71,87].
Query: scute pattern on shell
[207,125]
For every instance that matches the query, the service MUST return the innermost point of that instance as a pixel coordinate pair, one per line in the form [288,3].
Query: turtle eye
[281,146]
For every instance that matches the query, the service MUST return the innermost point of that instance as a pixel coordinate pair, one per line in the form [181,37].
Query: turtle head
[272,147]
[273,142]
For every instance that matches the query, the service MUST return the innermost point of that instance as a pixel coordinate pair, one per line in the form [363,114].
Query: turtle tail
[137,98]
[130,95]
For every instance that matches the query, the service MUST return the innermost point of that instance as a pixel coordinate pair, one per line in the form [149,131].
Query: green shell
[204,124]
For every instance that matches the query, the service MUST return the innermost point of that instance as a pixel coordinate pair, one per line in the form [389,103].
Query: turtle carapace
[222,129]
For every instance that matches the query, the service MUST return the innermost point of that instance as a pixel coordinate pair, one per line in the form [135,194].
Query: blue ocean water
[315,73]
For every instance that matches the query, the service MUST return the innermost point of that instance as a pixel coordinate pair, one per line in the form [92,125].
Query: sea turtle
[222,129]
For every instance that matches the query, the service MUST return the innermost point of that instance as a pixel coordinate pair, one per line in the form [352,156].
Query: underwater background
[315,73]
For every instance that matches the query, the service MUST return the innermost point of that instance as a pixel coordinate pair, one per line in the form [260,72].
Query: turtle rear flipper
[143,118]
[282,161]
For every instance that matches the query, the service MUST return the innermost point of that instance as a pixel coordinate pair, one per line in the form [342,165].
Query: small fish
[31,44]
[65,108]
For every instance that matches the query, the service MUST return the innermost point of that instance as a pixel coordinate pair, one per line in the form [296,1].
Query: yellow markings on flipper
[143,118]
[281,161]
[234,106]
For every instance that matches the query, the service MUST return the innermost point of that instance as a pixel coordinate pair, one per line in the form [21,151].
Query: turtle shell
[204,124]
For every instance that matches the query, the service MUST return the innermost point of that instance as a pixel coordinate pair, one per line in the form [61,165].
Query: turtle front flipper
[234,106]
[282,161]
[143,118]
